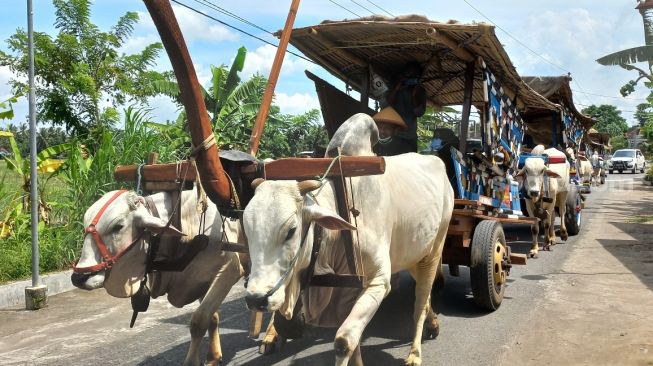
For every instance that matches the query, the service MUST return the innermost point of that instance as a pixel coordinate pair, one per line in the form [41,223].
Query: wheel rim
[499,272]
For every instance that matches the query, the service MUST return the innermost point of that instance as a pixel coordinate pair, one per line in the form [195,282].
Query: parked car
[627,159]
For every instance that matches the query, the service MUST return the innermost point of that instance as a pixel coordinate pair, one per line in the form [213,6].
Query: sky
[543,38]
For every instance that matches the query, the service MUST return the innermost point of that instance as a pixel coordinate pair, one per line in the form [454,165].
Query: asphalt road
[88,328]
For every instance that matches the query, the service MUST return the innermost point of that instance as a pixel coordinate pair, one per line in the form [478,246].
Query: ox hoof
[431,332]
[564,236]
[533,254]
[213,362]
[413,360]
[547,247]
[266,348]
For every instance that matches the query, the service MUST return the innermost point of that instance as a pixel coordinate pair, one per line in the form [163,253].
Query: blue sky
[564,35]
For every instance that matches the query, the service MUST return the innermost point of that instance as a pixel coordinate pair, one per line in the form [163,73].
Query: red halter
[107,260]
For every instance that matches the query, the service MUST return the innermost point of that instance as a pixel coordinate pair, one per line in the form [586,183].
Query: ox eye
[291,233]
[117,227]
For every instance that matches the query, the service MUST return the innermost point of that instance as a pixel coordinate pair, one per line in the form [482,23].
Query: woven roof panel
[346,47]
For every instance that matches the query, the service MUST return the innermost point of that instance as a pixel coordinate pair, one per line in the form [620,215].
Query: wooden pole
[467,104]
[214,180]
[365,89]
[272,80]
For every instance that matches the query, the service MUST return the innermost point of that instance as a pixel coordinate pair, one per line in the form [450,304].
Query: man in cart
[390,124]
[408,98]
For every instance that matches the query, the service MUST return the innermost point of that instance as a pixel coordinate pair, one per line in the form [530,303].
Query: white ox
[208,277]
[534,171]
[585,169]
[402,225]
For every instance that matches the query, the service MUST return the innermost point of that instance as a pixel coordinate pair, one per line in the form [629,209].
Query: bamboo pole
[272,80]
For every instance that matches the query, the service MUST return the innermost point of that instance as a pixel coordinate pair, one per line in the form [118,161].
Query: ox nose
[257,302]
[79,279]
[534,194]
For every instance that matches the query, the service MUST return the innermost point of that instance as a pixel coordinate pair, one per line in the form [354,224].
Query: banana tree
[628,57]
[45,162]
[232,105]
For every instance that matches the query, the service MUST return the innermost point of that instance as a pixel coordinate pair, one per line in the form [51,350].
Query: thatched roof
[599,139]
[558,90]
[346,47]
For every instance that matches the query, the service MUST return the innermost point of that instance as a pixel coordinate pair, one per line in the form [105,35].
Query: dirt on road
[598,309]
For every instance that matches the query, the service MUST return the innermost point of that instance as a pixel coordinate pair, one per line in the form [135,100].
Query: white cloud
[163,109]
[5,88]
[261,59]
[136,44]
[194,27]
[296,103]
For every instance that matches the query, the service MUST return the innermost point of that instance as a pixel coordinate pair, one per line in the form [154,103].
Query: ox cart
[600,143]
[566,129]
[462,65]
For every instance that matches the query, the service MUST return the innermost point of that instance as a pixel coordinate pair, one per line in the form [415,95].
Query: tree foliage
[81,68]
[608,118]
[233,104]
[644,113]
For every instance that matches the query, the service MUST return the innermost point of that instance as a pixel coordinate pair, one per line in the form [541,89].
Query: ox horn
[308,186]
[257,182]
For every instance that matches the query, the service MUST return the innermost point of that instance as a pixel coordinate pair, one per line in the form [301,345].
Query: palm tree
[644,53]
[232,104]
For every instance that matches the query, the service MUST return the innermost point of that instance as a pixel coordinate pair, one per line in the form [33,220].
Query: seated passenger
[390,124]
[444,138]
[408,98]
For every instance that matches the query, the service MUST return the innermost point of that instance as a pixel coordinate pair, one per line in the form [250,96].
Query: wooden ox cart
[564,129]
[462,65]
[599,142]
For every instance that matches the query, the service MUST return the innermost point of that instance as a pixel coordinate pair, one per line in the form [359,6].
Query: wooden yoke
[214,180]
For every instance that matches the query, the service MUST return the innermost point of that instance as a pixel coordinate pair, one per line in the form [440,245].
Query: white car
[627,159]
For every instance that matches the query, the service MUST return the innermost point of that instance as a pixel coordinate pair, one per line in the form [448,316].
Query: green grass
[640,219]
[59,242]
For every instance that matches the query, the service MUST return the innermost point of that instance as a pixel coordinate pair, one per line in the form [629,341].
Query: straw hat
[389,115]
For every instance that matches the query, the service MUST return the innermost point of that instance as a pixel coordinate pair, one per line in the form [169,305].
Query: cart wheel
[489,264]
[574,212]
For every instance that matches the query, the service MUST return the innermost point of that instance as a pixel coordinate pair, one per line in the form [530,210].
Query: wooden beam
[156,172]
[365,89]
[467,104]
[333,48]
[311,168]
[456,48]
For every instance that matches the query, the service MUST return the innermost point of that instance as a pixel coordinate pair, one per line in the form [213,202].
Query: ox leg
[214,357]
[356,358]
[535,247]
[349,334]
[424,274]
[201,319]
[271,339]
[535,230]
[549,227]
[562,201]
[431,324]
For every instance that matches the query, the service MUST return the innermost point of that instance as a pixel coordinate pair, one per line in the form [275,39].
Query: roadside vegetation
[81,140]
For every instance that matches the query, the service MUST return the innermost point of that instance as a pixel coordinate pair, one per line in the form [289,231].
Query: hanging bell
[140,302]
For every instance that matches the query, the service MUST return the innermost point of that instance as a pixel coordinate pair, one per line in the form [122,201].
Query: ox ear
[158,226]
[552,174]
[327,218]
[520,173]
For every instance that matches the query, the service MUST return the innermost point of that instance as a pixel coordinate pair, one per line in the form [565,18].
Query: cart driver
[408,98]
[390,124]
